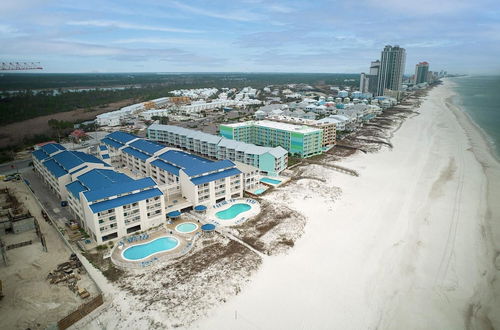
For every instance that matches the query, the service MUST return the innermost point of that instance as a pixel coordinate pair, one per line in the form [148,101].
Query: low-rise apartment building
[269,160]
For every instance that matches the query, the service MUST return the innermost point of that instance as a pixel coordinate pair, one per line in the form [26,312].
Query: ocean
[479,96]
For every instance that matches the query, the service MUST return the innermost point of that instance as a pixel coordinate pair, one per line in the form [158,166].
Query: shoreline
[411,237]
[486,155]
[489,140]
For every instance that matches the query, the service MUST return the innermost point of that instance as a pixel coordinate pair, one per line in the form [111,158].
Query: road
[20,165]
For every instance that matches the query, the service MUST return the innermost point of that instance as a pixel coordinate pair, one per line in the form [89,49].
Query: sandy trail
[408,245]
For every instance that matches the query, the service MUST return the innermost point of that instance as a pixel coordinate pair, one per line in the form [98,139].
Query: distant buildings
[373,77]
[299,140]
[364,82]
[114,118]
[421,73]
[392,66]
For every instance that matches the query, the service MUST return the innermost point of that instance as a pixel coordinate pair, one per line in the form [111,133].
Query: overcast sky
[249,36]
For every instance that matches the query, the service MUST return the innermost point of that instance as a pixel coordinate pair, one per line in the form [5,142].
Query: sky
[249,35]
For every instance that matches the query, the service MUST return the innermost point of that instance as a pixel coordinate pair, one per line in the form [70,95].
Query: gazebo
[208,228]
[200,208]
[173,214]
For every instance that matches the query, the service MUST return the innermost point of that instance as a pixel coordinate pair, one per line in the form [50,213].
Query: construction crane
[12,66]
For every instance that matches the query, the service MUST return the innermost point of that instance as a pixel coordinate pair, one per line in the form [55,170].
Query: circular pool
[145,250]
[186,227]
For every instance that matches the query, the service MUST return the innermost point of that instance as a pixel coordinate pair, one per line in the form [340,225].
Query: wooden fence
[80,313]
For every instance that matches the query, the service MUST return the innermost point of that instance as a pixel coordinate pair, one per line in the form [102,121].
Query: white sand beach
[408,245]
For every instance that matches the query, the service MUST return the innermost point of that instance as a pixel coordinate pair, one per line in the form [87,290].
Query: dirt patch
[13,134]
[274,230]
[108,269]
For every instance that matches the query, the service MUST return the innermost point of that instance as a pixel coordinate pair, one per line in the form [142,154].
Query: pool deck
[186,242]
[242,217]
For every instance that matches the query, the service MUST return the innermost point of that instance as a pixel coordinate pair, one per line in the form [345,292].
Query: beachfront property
[329,128]
[185,179]
[107,204]
[58,166]
[110,205]
[299,140]
[269,160]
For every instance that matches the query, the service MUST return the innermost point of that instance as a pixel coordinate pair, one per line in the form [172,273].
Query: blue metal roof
[40,154]
[72,159]
[215,176]
[166,166]
[113,185]
[128,199]
[78,169]
[202,168]
[75,188]
[50,148]
[182,159]
[101,147]
[146,146]
[54,168]
[136,153]
[101,178]
[105,156]
[122,137]
[112,143]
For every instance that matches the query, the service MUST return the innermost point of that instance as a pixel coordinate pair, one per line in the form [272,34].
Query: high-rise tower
[421,71]
[392,66]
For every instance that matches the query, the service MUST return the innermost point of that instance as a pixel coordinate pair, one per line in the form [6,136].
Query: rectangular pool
[270,181]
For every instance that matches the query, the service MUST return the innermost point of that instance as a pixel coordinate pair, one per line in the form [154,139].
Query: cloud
[68,48]
[422,7]
[176,41]
[129,26]
[238,15]
[8,31]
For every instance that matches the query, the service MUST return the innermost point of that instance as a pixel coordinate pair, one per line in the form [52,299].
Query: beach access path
[408,245]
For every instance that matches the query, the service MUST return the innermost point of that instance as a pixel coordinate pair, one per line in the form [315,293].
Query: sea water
[479,96]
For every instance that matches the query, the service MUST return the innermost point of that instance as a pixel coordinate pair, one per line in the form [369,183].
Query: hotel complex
[109,204]
[269,160]
[300,140]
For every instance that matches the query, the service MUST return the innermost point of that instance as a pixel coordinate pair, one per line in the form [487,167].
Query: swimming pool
[271,181]
[259,191]
[142,251]
[186,227]
[233,211]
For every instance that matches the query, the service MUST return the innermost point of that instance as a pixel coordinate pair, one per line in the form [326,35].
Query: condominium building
[57,166]
[111,205]
[268,160]
[421,72]
[185,179]
[392,66]
[107,204]
[329,129]
[299,140]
